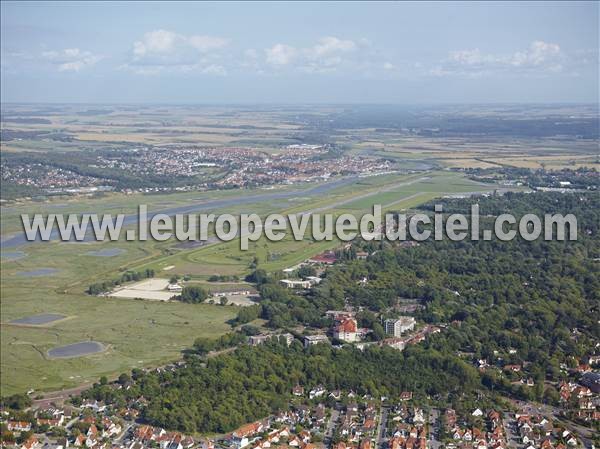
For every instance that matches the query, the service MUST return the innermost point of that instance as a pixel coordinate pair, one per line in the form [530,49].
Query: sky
[299,52]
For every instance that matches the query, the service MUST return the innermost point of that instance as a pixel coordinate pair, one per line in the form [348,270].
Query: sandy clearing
[153,289]
[143,294]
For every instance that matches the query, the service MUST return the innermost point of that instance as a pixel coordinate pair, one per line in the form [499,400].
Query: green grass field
[138,333]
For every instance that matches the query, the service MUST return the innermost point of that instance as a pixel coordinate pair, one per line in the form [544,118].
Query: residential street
[381,429]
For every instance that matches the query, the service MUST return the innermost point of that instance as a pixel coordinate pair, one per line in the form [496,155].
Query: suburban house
[31,443]
[346,330]
[241,437]
[19,426]
[362,255]
[327,258]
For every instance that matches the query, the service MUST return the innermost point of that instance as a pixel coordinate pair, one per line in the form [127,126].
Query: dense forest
[252,382]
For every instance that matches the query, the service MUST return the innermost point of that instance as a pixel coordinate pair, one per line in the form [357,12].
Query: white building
[399,326]
[256,340]
[174,287]
[295,284]
[310,340]
[346,330]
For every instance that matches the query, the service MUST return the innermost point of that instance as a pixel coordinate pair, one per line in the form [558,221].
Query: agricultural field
[461,153]
[119,126]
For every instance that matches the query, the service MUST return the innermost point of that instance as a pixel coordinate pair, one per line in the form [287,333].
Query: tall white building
[398,326]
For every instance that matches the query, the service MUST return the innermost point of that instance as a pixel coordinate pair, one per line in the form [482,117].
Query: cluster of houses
[48,178]
[358,424]
[95,438]
[407,426]
[345,329]
[312,419]
[100,430]
[538,432]
[354,427]
[95,428]
[493,436]
[148,436]
[275,431]
[582,401]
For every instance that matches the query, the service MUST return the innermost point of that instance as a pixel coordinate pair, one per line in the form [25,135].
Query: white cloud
[251,53]
[214,69]
[280,54]
[163,50]
[468,57]
[330,45]
[159,41]
[327,54]
[538,54]
[71,59]
[207,43]
[539,57]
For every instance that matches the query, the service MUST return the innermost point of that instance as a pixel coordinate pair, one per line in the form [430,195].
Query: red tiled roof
[247,429]
[347,325]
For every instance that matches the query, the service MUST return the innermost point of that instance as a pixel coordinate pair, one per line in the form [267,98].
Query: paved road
[118,441]
[510,427]
[335,415]
[59,396]
[382,427]
[71,422]
[434,429]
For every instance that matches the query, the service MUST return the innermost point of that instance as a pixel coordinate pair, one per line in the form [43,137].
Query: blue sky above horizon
[299,52]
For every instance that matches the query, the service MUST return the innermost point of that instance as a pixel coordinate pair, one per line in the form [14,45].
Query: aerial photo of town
[423,109]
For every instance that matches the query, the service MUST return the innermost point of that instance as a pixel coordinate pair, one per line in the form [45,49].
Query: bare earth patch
[153,289]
